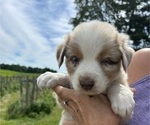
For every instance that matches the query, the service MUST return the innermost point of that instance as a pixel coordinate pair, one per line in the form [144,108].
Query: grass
[9,98]
[15,73]
[5,101]
[8,76]
[52,119]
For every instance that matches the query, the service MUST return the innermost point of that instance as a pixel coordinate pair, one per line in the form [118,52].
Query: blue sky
[30,31]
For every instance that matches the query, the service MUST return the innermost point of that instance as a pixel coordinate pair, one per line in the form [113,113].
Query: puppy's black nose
[86,83]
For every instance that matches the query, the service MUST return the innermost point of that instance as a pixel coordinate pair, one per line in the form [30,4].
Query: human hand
[87,110]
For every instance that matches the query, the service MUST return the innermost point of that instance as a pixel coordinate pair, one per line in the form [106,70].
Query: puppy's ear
[127,52]
[61,51]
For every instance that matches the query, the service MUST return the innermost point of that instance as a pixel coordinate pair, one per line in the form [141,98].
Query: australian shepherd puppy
[96,57]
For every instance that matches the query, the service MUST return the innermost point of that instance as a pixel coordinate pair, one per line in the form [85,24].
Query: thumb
[65,93]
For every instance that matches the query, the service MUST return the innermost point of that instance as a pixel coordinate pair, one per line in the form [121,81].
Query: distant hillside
[24,69]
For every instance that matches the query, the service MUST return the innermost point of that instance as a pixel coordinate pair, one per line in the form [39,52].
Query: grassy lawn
[5,101]
[52,119]
[10,98]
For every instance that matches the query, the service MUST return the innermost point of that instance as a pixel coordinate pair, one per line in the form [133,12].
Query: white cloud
[30,31]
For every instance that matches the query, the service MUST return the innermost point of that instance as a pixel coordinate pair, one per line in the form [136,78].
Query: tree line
[24,69]
[129,16]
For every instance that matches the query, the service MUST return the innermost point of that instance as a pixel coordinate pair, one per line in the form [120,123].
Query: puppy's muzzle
[86,83]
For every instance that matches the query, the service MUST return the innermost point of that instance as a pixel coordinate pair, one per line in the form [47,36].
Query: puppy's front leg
[50,80]
[122,102]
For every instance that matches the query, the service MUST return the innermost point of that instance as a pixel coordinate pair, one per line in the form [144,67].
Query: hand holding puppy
[79,106]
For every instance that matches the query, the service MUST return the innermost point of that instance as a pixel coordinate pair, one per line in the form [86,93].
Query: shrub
[37,108]
[47,97]
[43,105]
[15,111]
[33,111]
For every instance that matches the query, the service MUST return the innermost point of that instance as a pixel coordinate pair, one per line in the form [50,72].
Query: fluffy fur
[96,57]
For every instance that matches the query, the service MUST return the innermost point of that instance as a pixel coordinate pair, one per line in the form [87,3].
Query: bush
[45,108]
[47,97]
[15,111]
[42,106]
[33,111]
[37,108]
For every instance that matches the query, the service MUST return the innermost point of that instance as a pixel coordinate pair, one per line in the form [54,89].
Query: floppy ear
[127,52]
[61,51]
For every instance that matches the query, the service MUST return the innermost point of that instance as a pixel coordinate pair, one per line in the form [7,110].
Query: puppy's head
[96,54]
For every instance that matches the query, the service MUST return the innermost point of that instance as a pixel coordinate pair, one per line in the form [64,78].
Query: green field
[10,98]
[14,73]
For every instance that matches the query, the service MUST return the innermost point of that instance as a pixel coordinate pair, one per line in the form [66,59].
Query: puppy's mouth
[87,87]
[92,93]
[88,92]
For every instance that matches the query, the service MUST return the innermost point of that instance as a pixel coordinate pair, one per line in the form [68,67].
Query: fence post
[27,91]
[7,83]
[27,87]
[21,91]
[33,90]
[1,84]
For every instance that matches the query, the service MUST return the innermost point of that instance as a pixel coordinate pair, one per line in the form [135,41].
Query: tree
[129,16]
[25,69]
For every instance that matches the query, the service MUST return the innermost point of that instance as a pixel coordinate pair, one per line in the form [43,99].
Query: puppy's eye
[75,60]
[109,61]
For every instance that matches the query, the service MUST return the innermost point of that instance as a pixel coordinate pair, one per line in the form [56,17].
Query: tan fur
[72,49]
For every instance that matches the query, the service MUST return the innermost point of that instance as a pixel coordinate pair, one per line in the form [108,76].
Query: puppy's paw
[122,102]
[50,80]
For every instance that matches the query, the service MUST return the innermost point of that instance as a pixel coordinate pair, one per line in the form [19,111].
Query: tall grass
[52,119]
[42,119]
[11,98]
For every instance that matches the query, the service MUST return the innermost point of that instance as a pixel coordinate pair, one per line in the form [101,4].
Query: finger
[70,105]
[133,90]
[104,99]
[65,93]
[72,108]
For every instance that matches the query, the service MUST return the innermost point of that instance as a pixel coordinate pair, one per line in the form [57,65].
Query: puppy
[96,57]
